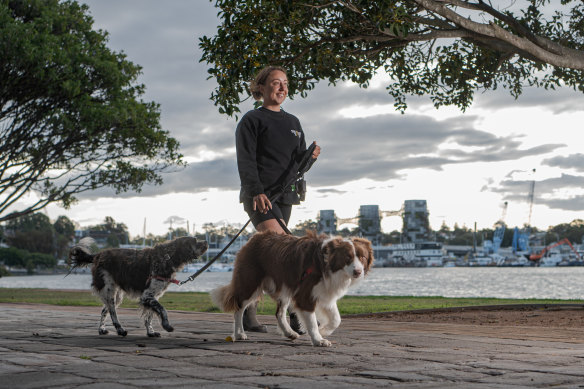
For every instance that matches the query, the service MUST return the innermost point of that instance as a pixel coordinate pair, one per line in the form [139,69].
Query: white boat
[427,253]
[553,260]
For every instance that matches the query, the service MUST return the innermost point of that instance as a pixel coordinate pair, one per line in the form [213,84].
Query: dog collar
[308,272]
[174,281]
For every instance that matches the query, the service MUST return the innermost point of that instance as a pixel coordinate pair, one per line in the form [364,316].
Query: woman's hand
[261,203]
[316,151]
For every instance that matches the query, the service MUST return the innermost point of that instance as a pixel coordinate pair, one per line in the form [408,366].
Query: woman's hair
[260,79]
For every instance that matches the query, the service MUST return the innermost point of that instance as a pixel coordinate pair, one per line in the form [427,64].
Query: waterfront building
[370,222]
[416,227]
[327,222]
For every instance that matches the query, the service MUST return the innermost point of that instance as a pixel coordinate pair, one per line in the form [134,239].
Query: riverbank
[201,302]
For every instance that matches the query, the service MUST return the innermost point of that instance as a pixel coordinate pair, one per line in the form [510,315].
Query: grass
[201,302]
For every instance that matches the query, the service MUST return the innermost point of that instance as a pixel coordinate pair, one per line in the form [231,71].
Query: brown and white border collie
[311,272]
[143,274]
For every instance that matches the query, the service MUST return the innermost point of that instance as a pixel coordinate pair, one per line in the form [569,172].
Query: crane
[531,197]
[500,229]
[536,257]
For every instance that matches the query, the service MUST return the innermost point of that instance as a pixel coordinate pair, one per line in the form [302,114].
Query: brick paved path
[45,347]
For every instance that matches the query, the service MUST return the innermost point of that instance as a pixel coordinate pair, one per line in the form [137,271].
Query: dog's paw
[103,331]
[122,332]
[292,335]
[168,327]
[321,343]
[154,334]
[240,336]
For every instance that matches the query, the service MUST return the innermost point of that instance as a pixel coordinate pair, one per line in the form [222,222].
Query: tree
[71,117]
[109,233]
[573,231]
[64,226]
[33,233]
[301,227]
[447,49]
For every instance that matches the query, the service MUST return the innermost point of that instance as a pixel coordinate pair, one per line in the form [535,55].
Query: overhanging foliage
[71,117]
[446,49]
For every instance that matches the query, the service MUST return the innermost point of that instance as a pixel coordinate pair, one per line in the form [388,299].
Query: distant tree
[13,257]
[444,233]
[461,236]
[65,233]
[301,227]
[345,232]
[393,237]
[180,231]
[64,226]
[71,117]
[573,231]
[42,260]
[110,232]
[33,232]
[447,49]
[113,240]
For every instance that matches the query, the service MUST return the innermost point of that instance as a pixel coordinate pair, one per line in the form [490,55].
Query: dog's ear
[328,247]
[363,246]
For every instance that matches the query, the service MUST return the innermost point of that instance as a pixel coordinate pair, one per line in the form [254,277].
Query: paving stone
[41,379]
[58,347]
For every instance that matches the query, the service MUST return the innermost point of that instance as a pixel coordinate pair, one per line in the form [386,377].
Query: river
[500,282]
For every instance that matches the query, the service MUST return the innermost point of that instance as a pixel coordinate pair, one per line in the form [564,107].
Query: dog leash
[209,263]
[305,164]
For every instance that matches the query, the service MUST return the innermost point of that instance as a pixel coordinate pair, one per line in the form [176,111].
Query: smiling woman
[270,144]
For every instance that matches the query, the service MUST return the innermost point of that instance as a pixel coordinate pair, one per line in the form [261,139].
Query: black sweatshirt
[269,146]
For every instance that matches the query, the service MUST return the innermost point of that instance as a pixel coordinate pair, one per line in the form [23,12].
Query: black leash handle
[305,164]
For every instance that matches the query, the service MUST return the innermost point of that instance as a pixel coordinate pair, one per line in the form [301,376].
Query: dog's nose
[357,273]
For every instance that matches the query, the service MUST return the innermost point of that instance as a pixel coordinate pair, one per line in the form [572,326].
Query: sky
[465,165]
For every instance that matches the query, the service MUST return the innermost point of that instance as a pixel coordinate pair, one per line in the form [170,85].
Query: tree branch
[492,30]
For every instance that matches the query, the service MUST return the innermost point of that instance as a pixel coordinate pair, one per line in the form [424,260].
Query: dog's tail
[224,298]
[80,255]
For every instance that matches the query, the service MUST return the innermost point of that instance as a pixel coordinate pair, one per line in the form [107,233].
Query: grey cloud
[380,147]
[215,137]
[575,203]
[545,191]
[574,161]
[325,191]
[196,177]
[558,101]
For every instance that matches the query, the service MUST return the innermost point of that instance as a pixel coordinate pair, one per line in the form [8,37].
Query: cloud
[574,161]
[562,100]
[382,147]
[196,177]
[556,193]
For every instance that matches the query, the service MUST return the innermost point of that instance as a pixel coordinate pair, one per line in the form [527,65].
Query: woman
[270,144]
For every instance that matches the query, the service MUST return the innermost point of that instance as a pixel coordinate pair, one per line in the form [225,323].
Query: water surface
[499,282]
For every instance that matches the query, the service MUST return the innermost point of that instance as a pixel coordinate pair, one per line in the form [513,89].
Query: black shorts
[279,210]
